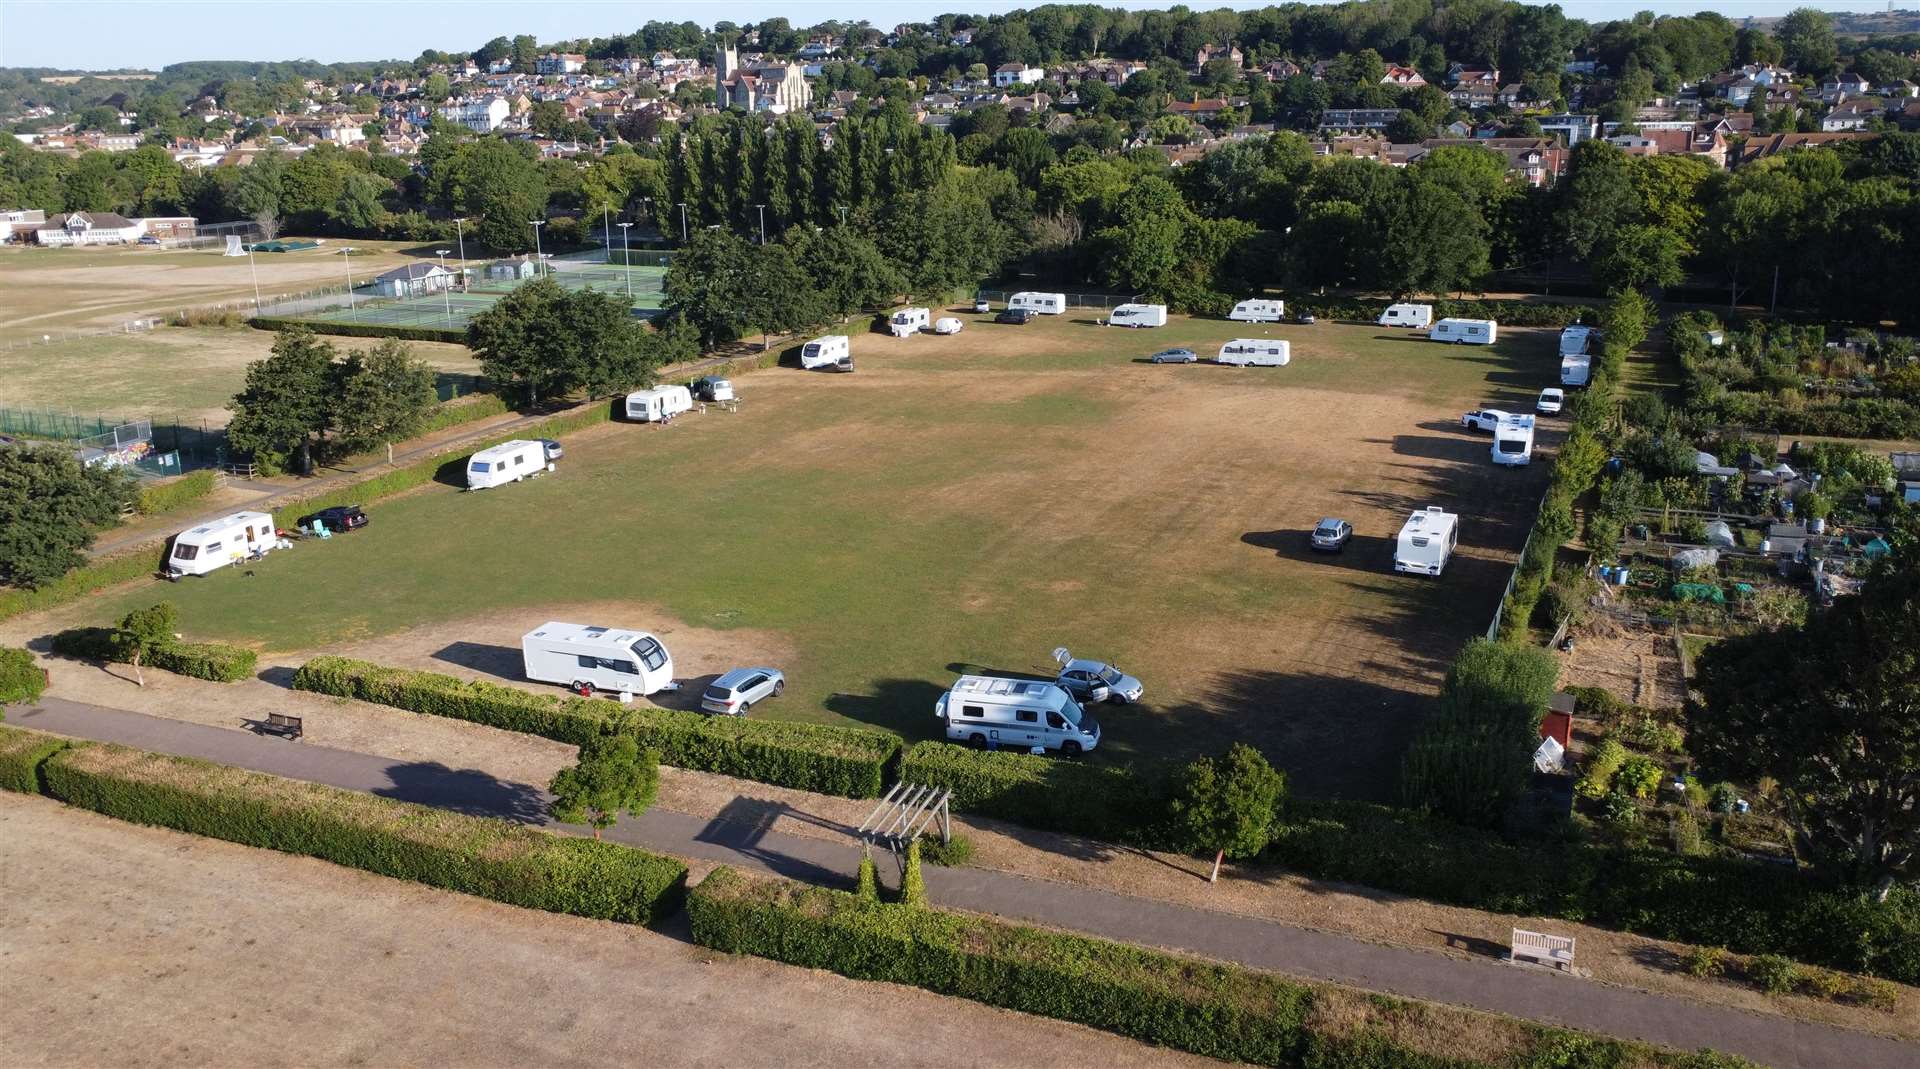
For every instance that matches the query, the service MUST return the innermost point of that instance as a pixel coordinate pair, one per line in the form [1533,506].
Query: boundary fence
[170,447]
[1074,300]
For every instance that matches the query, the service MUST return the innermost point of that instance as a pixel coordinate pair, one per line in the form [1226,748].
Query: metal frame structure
[905,813]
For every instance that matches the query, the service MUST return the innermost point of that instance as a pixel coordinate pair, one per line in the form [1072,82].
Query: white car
[1551,400]
[1484,419]
[949,325]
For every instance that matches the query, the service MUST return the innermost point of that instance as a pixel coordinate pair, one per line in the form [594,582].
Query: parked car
[1305,319]
[338,518]
[948,325]
[1016,316]
[1173,356]
[1552,399]
[1330,535]
[554,451]
[149,239]
[1484,419]
[981,306]
[712,388]
[1094,681]
[735,692]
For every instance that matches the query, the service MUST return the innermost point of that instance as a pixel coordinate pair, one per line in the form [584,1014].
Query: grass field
[972,502]
[453,311]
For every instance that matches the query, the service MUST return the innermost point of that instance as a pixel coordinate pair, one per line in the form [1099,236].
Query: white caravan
[1258,311]
[1513,441]
[1255,352]
[218,543]
[947,325]
[585,659]
[1465,331]
[1576,370]
[824,352]
[1138,315]
[1406,315]
[1051,304]
[1426,541]
[1576,340]
[508,462]
[659,403]
[1024,714]
[909,321]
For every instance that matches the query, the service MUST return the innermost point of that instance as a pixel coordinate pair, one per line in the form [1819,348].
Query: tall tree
[1806,40]
[543,342]
[51,507]
[499,182]
[286,404]
[385,394]
[613,776]
[1598,196]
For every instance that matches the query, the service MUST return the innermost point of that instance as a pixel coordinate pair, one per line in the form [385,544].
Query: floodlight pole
[346,256]
[763,223]
[626,251]
[255,271]
[446,300]
[460,233]
[539,260]
[606,224]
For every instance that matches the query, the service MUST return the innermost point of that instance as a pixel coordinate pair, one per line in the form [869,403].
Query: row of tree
[305,398]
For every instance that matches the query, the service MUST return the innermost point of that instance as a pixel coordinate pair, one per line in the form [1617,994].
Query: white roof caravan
[585,658]
[1513,441]
[659,403]
[824,352]
[1138,315]
[1465,331]
[1406,315]
[1258,311]
[218,543]
[1576,340]
[1044,303]
[1576,370]
[1426,541]
[508,462]
[909,321]
[1255,352]
[1024,714]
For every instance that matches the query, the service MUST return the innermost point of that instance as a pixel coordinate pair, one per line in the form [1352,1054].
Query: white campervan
[1426,541]
[1576,340]
[1138,315]
[585,659]
[909,321]
[1051,304]
[508,462]
[1406,315]
[1258,311]
[1024,714]
[824,352]
[1576,370]
[221,542]
[1465,331]
[1255,352]
[1513,441]
[659,403]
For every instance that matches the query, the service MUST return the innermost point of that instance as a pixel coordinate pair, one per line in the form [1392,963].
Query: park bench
[1552,951]
[282,724]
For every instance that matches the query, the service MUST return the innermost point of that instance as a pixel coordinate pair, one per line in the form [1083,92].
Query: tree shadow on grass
[900,705]
[744,826]
[501,662]
[467,791]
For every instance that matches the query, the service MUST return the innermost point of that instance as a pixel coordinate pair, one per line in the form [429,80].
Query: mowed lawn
[972,502]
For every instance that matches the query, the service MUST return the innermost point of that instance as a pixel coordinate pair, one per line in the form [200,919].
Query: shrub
[494,859]
[1875,994]
[207,317]
[952,854]
[812,757]
[1470,761]
[1617,809]
[1108,802]
[454,413]
[21,755]
[360,330]
[1824,984]
[201,660]
[1706,962]
[1723,798]
[1597,702]
[79,583]
[1602,764]
[1685,831]
[21,677]
[1773,973]
[177,493]
[913,885]
[868,886]
[1640,777]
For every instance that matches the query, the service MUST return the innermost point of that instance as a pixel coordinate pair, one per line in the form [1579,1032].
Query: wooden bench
[1534,948]
[282,724]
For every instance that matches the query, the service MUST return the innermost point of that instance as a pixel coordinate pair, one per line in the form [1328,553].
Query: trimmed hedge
[21,677]
[1124,803]
[494,859]
[846,761]
[359,330]
[181,492]
[21,755]
[1470,759]
[1217,1010]
[79,583]
[473,408]
[201,660]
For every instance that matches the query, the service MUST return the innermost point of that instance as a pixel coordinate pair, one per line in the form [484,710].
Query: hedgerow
[21,755]
[179,493]
[216,661]
[360,330]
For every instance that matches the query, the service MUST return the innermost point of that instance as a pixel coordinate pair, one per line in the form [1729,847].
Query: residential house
[1843,85]
[1509,95]
[1208,53]
[19,217]
[1459,74]
[1767,146]
[1279,70]
[819,46]
[169,227]
[1011,74]
[482,115]
[1402,77]
[1537,161]
[1572,128]
[413,280]
[1199,110]
[760,86]
[1357,120]
[82,228]
[503,65]
[1587,67]
[1852,114]
[560,63]
[1474,96]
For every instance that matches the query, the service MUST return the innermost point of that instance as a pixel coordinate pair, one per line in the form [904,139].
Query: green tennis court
[453,310]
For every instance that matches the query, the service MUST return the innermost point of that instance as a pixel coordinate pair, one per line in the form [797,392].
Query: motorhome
[1255,352]
[1138,315]
[1576,370]
[1416,316]
[1258,311]
[508,462]
[1051,304]
[824,352]
[1465,331]
[1426,541]
[1576,340]
[585,658]
[1513,441]
[658,404]
[907,322]
[218,543]
[1023,714]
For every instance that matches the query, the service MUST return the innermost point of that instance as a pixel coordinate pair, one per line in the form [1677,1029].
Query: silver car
[1095,681]
[1173,356]
[736,692]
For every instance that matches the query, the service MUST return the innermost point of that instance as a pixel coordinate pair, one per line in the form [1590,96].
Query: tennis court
[453,310]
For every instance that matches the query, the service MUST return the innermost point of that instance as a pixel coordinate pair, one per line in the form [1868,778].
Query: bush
[846,761]
[1121,803]
[156,498]
[360,330]
[867,887]
[1773,973]
[951,854]
[913,885]
[494,859]
[474,408]
[1706,962]
[201,660]
[79,583]
[1596,782]
[1641,777]
[22,753]
[21,678]
[1470,761]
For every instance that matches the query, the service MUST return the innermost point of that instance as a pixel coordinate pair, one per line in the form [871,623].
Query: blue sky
[107,34]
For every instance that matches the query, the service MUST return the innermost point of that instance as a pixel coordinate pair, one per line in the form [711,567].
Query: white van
[508,462]
[218,543]
[909,321]
[1406,315]
[1051,304]
[1513,441]
[1426,541]
[659,403]
[1576,340]
[1255,352]
[1138,315]
[585,659]
[823,352]
[1258,311]
[1022,714]
[1576,370]
[1465,331]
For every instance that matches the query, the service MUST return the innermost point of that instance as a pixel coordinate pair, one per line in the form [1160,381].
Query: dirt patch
[1638,666]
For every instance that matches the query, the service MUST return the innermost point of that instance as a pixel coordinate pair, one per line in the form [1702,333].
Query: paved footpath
[739,836]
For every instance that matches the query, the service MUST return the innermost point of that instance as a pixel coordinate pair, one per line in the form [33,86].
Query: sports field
[973,502]
[453,310]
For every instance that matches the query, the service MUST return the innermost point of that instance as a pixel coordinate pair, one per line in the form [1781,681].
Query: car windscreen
[650,653]
[1109,675]
[1071,710]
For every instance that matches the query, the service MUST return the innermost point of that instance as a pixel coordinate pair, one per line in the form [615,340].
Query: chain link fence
[166,448]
